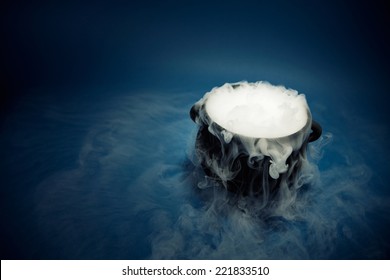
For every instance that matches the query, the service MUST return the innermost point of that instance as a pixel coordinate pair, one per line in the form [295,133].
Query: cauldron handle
[316,131]
[193,113]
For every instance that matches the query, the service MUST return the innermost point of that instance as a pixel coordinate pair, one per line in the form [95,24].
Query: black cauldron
[248,175]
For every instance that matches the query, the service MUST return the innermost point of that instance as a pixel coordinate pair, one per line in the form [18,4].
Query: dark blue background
[65,65]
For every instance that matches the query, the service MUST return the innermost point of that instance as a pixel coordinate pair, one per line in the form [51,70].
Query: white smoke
[139,192]
[258,110]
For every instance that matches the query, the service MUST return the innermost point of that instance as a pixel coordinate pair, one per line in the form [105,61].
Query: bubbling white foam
[258,110]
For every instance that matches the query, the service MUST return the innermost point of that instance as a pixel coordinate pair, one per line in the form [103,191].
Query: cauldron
[250,165]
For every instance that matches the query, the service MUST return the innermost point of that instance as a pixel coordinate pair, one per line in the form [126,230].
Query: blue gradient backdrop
[95,136]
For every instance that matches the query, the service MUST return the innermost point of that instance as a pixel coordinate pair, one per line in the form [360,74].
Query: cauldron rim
[310,123]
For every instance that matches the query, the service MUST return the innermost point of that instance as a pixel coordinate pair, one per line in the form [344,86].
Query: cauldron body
[244,173]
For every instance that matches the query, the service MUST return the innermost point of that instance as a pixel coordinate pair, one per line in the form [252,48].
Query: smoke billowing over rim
[258,110]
